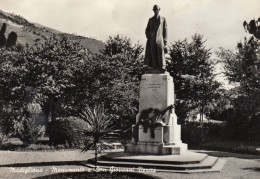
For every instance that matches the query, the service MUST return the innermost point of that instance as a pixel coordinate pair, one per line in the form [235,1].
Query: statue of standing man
[156,34]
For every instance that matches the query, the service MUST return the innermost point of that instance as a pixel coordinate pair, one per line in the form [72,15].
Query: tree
[66,79]
[242,69]
[193,73]
[99,126]
[122,44]
[49,69]
[13,99]
[112,78]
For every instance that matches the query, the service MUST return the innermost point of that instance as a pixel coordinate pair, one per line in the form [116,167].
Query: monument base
[155,148]
[163,136]
[161,144]
[188,162]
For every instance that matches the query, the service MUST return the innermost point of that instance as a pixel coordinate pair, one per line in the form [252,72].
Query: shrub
[254,127]
[30,147]
[237,126]
[192,133]
[67,131]
[218,144]
[243,126]
[29,132]
[223,115]
[214,129]
[40,147]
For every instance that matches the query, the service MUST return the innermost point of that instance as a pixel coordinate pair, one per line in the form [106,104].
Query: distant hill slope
[30,33]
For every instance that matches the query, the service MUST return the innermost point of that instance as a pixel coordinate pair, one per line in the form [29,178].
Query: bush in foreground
[67,131]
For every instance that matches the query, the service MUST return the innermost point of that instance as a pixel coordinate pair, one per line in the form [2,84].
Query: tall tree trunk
[50,109]
[202,113]
[200,117]
[96,151]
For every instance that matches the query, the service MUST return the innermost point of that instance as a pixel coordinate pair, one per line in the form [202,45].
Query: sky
[219,21]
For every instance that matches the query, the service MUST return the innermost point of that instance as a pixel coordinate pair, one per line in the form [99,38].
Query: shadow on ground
[256,169]
[229,154]
[99,175]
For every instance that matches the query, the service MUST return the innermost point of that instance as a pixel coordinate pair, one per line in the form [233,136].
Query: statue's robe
[156,33]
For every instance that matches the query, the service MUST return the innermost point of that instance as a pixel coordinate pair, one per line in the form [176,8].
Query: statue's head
[156,9]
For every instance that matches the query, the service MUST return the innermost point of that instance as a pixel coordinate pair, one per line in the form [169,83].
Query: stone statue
[156,34]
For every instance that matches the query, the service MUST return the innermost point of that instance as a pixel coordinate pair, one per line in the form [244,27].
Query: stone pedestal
[157,92]
[163,151]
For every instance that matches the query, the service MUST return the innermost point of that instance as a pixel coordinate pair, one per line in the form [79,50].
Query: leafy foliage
[65,79]
[49,69]
[239,66]
[2,137]
[112,79]
[68,131]
[98,128]
[195,134]
[120,44]
[12,91]
[192,133]
[242,126]
[242,69]
[221,108]
[29,132]
[193,74]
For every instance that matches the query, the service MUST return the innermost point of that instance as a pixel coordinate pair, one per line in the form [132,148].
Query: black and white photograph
[129,89]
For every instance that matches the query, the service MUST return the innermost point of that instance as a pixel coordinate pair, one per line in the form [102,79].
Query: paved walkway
[237,166]
[33,164]
[25,165]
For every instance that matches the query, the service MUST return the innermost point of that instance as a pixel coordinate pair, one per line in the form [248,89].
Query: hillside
[30,33]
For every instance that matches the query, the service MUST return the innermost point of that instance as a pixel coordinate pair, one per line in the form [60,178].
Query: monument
[156,136]
[156,130]
[156,34]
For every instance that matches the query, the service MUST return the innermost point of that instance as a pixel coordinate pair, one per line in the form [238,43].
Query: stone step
[188,157]
[207,163]
[216,168]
